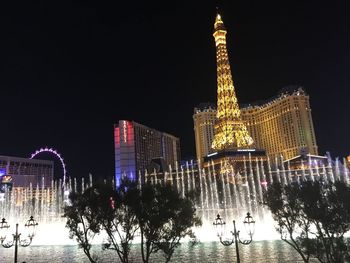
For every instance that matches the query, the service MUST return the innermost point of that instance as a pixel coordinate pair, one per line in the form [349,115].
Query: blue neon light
[2,172]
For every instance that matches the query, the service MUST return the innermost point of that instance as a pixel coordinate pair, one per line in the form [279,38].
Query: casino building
[22,172]
[138,147]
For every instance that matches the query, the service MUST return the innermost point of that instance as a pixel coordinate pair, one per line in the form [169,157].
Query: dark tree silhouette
[164,219]
[160,214]
[82,220]
[313,217]
[118,218]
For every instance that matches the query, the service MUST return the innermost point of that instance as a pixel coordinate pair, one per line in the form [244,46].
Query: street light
[30,225]
[249,225]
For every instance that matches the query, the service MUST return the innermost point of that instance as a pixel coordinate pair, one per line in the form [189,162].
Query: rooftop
[284,92]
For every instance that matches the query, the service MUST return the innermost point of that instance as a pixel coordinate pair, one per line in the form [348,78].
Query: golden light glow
[283,125]
[230,131]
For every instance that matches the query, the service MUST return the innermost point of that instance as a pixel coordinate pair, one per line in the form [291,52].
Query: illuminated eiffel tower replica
[232,143]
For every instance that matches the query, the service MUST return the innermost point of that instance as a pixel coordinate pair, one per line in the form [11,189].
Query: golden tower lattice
[229,131]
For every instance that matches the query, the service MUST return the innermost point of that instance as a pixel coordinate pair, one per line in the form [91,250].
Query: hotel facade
[282,126]
[137,145]
[25,172]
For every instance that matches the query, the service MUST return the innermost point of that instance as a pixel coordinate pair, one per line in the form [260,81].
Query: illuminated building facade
[282,125]
[22,172]
[136,145]
[204,118]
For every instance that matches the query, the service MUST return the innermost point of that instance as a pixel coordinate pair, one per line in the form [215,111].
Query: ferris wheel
[54,153]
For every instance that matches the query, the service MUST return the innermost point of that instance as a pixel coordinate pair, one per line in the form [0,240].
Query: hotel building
[136,145]
[282,125]
[204,119]
[22,172]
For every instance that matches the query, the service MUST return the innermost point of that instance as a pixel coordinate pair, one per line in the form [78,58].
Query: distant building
[282,125]
[19,172]
[136,145]
[204,120]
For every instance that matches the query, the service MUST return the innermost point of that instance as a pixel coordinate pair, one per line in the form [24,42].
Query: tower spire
[229,132]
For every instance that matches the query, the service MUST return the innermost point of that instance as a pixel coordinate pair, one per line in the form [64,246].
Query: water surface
[209,252]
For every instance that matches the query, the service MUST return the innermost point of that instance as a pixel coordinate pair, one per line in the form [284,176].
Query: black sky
[69,70]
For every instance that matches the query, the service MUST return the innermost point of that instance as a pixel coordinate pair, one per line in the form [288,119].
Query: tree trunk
[142,247]
[87,253]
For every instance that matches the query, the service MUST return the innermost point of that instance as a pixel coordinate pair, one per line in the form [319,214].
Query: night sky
[70,70]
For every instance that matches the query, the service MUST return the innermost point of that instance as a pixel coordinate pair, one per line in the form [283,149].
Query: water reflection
[210,252]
